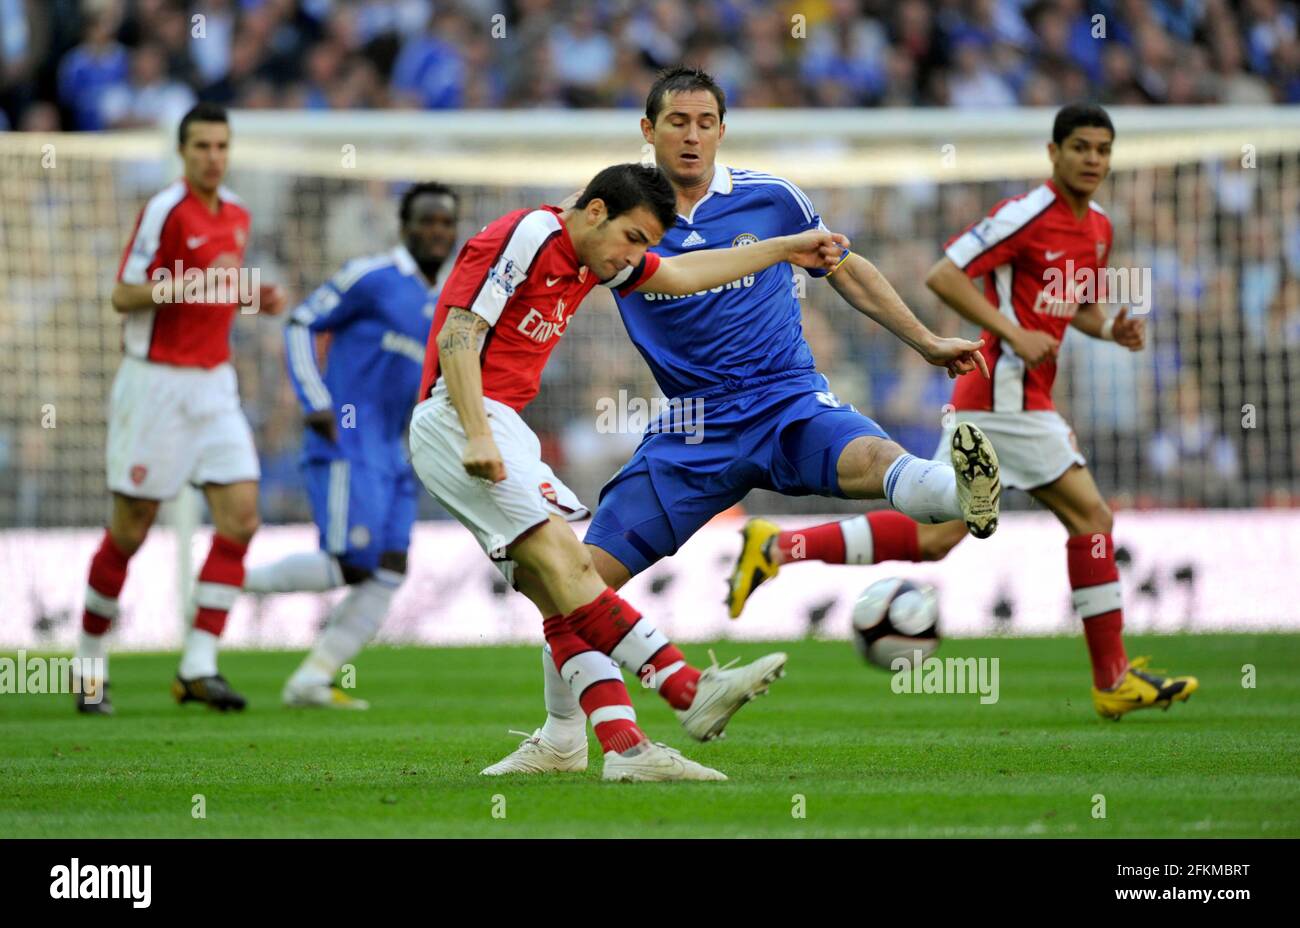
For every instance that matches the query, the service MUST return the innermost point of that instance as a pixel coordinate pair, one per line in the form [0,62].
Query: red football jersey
[521,274]
[1035,258]
[175,226]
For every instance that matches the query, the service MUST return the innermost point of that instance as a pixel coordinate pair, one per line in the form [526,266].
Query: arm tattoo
[462,331]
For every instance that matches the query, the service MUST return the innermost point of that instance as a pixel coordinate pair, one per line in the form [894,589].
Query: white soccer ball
[895,618]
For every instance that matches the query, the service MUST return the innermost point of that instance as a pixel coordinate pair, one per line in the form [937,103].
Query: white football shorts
[169,424]
[498,514]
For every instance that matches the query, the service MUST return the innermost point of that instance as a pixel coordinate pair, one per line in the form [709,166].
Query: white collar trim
[406,264]
[721,183]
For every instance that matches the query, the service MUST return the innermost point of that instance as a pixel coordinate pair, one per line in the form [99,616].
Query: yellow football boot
[1142,689]
[754,565]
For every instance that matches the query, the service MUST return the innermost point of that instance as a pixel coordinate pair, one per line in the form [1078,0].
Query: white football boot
[656,762]
[537,755]
[721,692]
[319,696]
[979,488]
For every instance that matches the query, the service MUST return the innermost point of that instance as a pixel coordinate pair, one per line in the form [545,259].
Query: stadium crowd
[93,64]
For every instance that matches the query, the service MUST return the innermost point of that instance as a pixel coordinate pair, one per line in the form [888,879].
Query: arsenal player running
[174,410]
[502,310]
[1040,255]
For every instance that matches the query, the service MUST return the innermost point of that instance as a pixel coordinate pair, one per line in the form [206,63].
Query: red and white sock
[220,580]
[614,626]
[884,535]
[107,576]
[597,683]
[1099,603]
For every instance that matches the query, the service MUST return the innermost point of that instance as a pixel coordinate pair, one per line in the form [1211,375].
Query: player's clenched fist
[1034,347]
[816,248]
[1128,332]
[481,458]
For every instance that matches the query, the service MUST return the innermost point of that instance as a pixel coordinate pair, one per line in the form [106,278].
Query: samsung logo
[746,281]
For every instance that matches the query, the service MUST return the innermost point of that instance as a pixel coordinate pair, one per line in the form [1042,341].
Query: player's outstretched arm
[950,284]
[700,270]
[864,288]
[459,342]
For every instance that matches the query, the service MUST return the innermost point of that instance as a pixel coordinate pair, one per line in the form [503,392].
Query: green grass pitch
[831,740]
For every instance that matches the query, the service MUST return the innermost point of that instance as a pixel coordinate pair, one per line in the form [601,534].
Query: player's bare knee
[550,550]
[610,568]
[131,521]
[862,465]
[1098,518]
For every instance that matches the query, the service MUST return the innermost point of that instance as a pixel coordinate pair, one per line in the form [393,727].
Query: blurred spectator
[95,65]
[1192,452]
[582,57]
[468,54]
[974,84]
[150,98]
[430,72]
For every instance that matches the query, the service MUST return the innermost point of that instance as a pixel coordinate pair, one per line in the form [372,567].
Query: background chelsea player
[377,311]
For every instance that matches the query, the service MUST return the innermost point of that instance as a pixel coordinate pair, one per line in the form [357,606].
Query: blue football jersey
[716,339]
[378,311]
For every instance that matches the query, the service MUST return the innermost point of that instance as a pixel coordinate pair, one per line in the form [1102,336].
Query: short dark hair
[201,112]
[415,190]
[1071,117]
[624,187]
[675,80]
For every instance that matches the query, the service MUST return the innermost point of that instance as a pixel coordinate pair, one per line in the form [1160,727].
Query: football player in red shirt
[174,411]
[1041,255]
[502,310]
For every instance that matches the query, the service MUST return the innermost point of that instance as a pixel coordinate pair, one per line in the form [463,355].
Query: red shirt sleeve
[150,247]
[640,274]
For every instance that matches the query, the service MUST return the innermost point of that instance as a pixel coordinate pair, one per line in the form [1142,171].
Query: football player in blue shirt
[377,311]
[747,407]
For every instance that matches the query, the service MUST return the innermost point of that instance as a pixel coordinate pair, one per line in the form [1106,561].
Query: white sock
[923,490]
[199,657]
[93,648]
[566,723]
[350,626]
[309,572]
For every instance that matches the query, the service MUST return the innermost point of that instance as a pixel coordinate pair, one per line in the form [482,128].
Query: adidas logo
[693,239]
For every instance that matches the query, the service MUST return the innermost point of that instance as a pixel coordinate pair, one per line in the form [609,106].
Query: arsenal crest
[548,493]
[138,473]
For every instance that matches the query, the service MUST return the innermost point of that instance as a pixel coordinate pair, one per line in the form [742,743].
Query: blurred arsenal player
[174,412]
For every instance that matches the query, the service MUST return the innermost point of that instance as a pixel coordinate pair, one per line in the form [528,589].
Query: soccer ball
[895,618]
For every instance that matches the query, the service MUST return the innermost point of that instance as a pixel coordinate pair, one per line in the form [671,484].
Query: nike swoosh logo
[697,706]
[194,241]
[1053,255]
[552,281]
